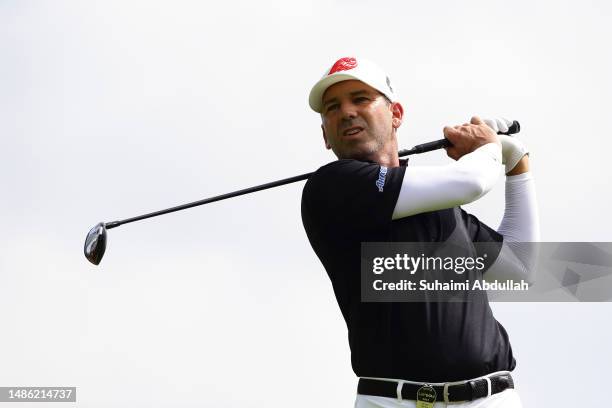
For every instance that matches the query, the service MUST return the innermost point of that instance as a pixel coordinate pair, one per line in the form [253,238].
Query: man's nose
[348,110]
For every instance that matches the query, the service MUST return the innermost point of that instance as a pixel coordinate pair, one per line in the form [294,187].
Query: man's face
[358,121]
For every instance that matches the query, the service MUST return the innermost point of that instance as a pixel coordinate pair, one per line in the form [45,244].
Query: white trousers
[508,398]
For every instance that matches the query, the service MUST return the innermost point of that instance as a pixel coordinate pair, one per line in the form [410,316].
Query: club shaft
[422,148]
[249,190]
[114,224]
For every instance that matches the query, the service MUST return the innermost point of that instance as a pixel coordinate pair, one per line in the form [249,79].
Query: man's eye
[332,107]
[361,99]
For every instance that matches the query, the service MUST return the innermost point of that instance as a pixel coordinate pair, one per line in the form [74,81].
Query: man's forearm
[520,227]
[521,221]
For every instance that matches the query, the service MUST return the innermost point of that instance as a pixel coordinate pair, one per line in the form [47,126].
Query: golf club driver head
[95,243]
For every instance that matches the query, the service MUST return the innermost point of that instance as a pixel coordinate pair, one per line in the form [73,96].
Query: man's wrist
[521,167]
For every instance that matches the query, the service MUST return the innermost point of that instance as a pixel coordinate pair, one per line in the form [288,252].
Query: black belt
[449,392]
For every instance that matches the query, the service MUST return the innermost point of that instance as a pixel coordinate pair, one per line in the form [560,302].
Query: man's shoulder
[341,168]
[342,165]
[338,175]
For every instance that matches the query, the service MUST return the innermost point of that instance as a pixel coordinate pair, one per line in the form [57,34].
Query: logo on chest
[382,174]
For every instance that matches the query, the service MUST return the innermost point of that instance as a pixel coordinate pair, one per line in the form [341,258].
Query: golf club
[95,242]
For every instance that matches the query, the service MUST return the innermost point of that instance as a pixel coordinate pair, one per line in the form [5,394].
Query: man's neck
[387,156]
[388,160]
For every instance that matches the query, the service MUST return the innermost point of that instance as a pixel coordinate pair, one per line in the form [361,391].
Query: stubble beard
[359,149]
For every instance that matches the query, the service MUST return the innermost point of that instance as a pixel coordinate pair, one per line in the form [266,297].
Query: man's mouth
[352,131]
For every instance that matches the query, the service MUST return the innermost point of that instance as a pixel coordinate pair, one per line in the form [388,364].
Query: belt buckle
[445,389]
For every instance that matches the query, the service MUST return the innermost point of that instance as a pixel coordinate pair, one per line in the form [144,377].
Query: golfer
[426,354]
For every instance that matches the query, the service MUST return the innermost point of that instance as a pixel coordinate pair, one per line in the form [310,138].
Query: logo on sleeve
[382,174]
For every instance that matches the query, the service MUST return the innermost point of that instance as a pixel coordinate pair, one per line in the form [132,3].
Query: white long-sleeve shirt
[466,180]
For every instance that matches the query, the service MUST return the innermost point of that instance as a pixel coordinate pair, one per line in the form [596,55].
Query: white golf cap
[351,68]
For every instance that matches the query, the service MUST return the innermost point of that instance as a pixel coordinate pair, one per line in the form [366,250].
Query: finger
[476,121]
[452,134]
[492,123]
[501,125]
[450,131]
[507,121]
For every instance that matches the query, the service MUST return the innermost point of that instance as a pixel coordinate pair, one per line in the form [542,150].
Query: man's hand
[514,151]
[468,137]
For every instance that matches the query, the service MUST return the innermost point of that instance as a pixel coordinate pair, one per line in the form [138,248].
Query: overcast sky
[111,109]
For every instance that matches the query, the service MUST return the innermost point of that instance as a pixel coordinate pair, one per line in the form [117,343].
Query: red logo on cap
[343,64]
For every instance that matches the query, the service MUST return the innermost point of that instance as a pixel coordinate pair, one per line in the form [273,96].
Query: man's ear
[398,114]
[327,145]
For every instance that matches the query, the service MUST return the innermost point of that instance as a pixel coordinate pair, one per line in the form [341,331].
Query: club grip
[429,146]
[515,127]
